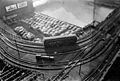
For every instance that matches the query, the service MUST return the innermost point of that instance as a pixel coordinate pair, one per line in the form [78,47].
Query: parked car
[20,30]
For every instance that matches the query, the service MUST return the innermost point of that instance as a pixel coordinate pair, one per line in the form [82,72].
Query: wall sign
[16,6]
[22,4]
[11,7]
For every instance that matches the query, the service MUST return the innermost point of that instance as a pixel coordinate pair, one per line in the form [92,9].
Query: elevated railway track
[101,42]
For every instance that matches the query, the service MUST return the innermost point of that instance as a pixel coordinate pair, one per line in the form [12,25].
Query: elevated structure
[95,48]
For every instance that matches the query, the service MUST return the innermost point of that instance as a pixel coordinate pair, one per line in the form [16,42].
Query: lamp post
[94,10]
[17,49]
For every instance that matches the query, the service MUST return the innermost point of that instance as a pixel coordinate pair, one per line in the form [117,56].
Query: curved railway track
[103,41]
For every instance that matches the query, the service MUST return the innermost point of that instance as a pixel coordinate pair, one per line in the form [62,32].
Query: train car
[59,41]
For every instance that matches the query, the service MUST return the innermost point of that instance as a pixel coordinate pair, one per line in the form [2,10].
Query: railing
[17,38]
